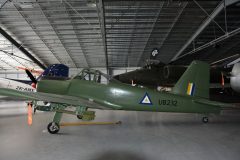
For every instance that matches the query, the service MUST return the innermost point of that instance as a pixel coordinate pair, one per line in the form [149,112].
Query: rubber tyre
[205,119]
[79,116]
[53,128]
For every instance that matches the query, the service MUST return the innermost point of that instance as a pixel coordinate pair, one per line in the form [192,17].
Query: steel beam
[60,40]
[22,49]
[130,38]
[101,13]
[215,41]
[149,35]
[233,62]
[216,11]
[173,24]
[13,57]
[83,19]
[36,32]
[3,4]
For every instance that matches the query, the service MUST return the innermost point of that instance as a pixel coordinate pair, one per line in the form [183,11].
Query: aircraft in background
[165,76]
[55,70]
[235,77]
[85,91]
[224,82]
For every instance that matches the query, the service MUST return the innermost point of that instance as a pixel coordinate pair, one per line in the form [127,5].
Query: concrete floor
[141,136]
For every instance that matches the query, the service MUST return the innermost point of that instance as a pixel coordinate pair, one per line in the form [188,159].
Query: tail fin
[194,81]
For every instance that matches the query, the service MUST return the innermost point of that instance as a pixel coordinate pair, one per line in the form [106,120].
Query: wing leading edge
[55,98]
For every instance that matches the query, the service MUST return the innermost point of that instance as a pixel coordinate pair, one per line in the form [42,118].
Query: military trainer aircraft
[85,91]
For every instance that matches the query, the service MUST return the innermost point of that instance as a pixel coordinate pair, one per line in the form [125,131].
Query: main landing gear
[53,128]
[79,116]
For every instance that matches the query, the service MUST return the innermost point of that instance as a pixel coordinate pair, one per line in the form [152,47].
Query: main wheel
[205,119]
[53,128]
[79,116]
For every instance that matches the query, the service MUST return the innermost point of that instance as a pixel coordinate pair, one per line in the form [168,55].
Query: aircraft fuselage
[11,84]
[120,96]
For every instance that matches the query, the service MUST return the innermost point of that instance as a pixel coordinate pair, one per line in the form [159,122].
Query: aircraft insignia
[190,89]
[146,100]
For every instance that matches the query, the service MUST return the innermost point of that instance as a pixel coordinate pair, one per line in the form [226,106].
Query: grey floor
[141,136]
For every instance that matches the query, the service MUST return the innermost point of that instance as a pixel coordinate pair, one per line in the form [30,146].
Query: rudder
[194,81]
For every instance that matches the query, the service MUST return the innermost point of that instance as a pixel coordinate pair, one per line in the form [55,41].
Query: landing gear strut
[205,119]
[53,128]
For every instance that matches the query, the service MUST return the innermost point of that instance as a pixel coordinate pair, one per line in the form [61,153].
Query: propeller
[33,79]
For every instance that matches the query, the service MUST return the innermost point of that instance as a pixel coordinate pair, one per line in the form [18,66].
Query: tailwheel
[205,119]
[79,116]
[53,127]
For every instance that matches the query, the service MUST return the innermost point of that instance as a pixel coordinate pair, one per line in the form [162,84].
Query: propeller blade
[29,114]
[33,79]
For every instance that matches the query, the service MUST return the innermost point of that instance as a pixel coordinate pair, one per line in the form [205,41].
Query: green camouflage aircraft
[85,91]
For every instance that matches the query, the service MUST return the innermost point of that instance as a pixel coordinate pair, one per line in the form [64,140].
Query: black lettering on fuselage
[167,102]
[24,89]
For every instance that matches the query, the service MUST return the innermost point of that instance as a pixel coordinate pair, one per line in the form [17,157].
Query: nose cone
[235,77]
[235,83]
[236,69]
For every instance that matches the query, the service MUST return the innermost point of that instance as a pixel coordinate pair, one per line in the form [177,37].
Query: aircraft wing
[55,98]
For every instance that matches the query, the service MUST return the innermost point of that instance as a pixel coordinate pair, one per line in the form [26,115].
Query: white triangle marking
[146,100]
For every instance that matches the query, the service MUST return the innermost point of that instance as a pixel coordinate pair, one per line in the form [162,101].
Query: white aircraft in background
[17,85]
[55,70]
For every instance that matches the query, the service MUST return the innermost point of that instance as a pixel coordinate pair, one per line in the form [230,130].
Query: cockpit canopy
[93,75]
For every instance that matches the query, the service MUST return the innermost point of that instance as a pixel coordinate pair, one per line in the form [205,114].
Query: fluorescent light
[91,4]
[26,5]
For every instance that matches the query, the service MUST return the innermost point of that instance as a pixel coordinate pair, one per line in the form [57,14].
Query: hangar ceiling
[11,57]
[109,33]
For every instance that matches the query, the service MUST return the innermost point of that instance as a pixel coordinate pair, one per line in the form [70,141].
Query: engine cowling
[53,86]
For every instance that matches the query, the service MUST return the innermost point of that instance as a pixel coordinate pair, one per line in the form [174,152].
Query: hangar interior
[117,36]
